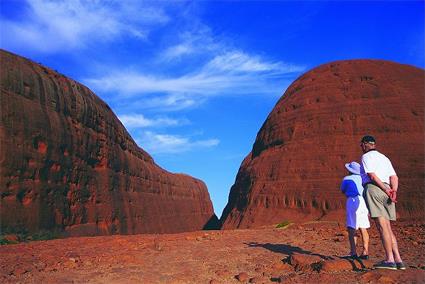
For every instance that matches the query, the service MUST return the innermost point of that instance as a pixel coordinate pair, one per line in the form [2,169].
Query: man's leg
[395,250]
[352,239]
[365,239]
[386,237]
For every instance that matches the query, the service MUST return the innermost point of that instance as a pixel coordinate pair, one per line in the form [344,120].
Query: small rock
[70,264]
[88,263]
[336,265]
[40,266]
[281,266]
[304,262]
[157,246]
[285,278]
[19,271]
[259,279]
[363,264]
[368,276]
[222,273]
[385,279]
[213,281]
[242,277]
[12,238]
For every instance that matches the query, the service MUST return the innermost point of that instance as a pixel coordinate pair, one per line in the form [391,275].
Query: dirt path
[300,253]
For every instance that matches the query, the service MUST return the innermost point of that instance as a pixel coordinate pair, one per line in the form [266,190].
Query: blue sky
[194,81]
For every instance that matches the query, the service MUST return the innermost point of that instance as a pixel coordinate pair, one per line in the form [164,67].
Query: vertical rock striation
[297,161]
[68,164]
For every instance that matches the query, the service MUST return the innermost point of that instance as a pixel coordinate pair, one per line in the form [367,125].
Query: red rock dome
[68,164]
[297,161]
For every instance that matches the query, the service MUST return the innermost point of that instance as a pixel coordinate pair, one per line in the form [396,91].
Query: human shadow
[289,250]
[285,249]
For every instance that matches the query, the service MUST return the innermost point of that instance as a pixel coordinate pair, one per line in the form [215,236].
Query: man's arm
[394,182]
[377,181]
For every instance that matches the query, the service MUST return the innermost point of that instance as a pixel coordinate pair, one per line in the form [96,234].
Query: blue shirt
[351,185]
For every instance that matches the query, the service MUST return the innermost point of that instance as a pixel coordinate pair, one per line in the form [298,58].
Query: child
[357,213]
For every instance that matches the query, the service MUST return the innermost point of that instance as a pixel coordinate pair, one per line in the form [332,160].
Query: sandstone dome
[297,161]
[68,164]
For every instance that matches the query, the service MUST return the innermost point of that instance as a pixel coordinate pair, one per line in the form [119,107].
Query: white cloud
[50,26]
[138,83]
[170,102]
[228,71]
[237,61]
[198,40]
[177,51]
[156,143]
[140,121]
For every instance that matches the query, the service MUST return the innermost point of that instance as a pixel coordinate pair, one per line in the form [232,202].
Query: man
[381,183]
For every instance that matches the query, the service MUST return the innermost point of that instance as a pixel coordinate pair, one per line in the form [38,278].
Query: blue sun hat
[353,167]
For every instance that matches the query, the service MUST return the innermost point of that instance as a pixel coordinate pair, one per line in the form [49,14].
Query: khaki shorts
[378,203]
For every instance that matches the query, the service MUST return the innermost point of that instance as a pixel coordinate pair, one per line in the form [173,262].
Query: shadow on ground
[285,249]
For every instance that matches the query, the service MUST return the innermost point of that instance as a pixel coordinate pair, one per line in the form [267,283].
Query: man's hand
[390,191]
[392,194]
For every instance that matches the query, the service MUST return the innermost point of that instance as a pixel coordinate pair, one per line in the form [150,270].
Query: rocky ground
[299,253]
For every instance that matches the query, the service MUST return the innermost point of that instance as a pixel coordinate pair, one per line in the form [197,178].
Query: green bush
[283,224]
[44,235]
[3,241]
[25,236]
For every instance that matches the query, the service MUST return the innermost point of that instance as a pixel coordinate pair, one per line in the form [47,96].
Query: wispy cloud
[50,26]
[230,73]
[165,143]
[168,102]
[140,121]
[177,51]
[198,40]
[240,62]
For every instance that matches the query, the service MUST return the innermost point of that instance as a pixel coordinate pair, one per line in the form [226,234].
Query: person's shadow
[285,249]
[289,250]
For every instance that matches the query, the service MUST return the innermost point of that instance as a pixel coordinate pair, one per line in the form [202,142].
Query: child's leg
[353,240]
[365,239]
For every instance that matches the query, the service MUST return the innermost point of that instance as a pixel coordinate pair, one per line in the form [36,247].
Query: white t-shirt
[375,162]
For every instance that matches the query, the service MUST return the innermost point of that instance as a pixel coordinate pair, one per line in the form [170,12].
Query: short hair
[368,139]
